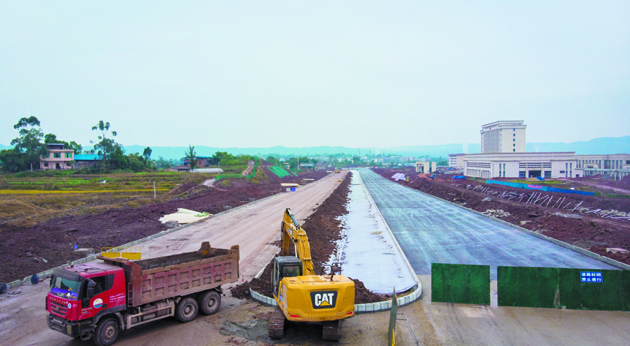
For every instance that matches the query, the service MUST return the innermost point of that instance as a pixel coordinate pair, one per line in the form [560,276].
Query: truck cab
[79,295]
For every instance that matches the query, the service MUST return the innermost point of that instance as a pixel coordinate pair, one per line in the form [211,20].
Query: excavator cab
[284,266]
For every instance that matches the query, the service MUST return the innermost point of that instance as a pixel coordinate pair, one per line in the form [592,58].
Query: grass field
[27,200]
[104,182]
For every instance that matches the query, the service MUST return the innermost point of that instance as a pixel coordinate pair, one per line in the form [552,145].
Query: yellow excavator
[303,296]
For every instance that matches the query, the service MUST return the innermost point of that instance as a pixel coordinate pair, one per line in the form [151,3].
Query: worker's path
[253,227]
[430,230]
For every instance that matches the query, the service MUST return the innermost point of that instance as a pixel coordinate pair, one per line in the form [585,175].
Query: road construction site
[596,223]
[425,228]
[431,230]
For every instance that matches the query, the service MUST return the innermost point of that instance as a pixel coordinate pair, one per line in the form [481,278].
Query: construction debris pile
[398,176]
[496,213]
[184,216]
[548,200]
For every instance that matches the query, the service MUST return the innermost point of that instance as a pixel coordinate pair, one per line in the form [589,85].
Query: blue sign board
[292,189]
[591,277]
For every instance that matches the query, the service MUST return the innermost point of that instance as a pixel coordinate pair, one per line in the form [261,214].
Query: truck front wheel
[106,332]
[209,302]
[186,310]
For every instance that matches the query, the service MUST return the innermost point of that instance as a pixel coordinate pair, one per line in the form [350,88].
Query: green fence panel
[605,295]
[558,287]
[527,286]
[626,290]
[460,283]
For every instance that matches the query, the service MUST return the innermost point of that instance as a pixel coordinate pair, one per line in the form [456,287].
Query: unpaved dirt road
[254,227]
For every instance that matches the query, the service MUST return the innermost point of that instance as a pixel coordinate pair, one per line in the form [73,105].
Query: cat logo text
[324,299]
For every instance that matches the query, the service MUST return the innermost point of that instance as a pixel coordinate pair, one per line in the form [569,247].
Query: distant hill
[603,145]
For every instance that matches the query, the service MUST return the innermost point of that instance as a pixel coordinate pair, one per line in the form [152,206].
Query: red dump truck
[100,299]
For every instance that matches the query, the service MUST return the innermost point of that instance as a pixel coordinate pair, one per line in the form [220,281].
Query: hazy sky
[310,73]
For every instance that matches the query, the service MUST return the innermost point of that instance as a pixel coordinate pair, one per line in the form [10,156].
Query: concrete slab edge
[358,308]
[47,273]
[409,267]
[584,252]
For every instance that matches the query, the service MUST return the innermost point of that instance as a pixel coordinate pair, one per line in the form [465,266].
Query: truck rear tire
[186,310]
[209,302]
[107,332]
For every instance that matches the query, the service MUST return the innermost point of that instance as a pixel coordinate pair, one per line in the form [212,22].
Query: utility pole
[154,189]
[298,158]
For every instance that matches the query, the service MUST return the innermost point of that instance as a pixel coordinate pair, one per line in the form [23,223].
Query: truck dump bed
[178,275]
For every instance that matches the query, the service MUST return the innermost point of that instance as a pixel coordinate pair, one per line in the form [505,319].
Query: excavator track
[277,324]
[332,330]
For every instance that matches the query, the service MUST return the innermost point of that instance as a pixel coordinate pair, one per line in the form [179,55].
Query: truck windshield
[65,288]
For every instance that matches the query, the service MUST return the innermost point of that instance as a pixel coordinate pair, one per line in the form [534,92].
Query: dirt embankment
[26,251]
[323,230]
[585,230]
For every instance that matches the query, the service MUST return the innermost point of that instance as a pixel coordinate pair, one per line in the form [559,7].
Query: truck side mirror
[90,289]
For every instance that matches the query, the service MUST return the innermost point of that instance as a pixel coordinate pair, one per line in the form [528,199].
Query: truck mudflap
[71,328]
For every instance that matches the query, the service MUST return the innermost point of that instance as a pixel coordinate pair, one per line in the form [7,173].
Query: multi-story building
[503,155]
[504,136]
[614,166]
[58,157]
[456,160]
[546,165]
[521,165]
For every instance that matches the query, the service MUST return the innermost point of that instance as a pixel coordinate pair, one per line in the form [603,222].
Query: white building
[521,165]
[615,166]
[425,167]
[503,155]
[456,160]
[504,136]
[546,165]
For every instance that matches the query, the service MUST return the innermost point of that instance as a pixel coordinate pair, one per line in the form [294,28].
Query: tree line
[32,143]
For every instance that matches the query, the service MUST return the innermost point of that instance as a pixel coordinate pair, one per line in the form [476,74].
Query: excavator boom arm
[292,232]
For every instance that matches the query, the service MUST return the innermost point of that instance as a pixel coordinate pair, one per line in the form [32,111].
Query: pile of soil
[323,229]
[26,251]
[621,257]
[586,231]
[612,186]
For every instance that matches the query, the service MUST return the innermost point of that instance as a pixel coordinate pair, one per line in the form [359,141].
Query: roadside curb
[409,267]
[358,308]
[580,250]
[47,273]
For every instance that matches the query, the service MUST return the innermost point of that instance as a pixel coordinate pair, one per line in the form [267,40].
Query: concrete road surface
[254,227]
[430,230]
